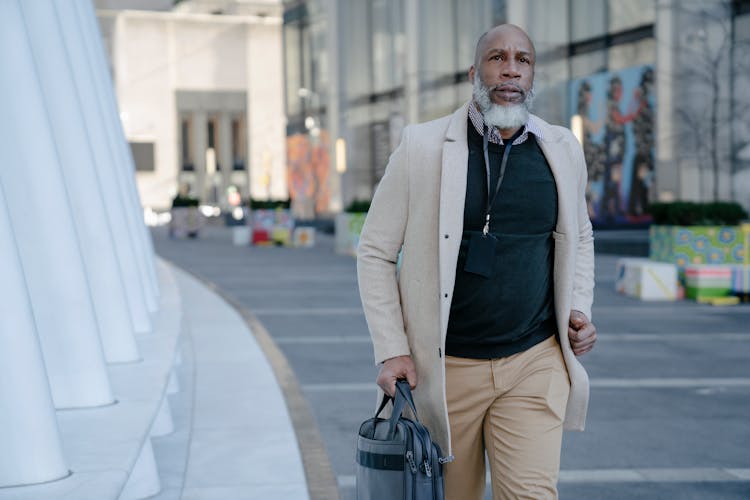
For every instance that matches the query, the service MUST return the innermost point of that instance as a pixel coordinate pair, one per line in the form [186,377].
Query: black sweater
[512,309]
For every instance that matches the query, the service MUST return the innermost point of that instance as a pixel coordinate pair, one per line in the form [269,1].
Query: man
[491,303]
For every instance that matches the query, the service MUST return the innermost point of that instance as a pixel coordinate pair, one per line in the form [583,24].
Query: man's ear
[471,74]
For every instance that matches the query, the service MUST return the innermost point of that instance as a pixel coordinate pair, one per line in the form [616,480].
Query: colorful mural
[308,169]
[617,113]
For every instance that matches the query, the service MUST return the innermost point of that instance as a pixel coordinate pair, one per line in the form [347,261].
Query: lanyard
[503,164]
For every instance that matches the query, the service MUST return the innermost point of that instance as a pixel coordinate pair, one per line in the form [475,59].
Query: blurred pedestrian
[491,302]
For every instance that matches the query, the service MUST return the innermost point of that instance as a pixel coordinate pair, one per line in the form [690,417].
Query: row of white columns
[204,180]
[78,276]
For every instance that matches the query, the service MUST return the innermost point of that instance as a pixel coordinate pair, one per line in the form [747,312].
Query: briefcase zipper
[412,463]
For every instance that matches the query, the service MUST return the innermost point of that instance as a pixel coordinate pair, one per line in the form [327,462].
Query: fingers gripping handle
[401,398]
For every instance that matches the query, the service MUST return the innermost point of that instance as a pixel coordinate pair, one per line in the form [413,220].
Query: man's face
[505,64]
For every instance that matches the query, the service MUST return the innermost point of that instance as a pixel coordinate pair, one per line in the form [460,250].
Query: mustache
[508,86]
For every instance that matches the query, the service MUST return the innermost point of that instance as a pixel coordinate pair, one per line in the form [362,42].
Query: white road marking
[676,337]
[360,339]
[606,337]
[599,383]
[653,475]
[308,311]
[668,383]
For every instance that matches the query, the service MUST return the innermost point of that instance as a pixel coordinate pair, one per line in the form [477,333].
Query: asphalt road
[670,401]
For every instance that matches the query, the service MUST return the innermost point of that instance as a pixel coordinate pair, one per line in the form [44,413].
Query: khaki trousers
[512,408]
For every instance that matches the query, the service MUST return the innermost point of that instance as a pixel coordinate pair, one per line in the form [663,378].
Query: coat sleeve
[377,256]
[583,282]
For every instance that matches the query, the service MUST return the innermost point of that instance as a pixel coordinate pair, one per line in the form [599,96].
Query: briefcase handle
[402,397]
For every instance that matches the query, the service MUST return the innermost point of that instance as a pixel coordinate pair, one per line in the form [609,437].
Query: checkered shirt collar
[477,119]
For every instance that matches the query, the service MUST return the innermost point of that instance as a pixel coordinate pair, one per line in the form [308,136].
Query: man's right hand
[394,369]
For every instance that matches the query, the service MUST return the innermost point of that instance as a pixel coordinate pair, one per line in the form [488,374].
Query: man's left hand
[581,332]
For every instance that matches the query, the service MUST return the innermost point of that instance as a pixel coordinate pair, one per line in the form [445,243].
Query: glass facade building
[622,74]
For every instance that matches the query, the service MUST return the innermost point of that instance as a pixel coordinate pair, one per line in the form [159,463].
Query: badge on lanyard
[480,258]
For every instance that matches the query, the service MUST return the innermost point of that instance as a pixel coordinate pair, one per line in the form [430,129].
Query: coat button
[446,295]
[446,236]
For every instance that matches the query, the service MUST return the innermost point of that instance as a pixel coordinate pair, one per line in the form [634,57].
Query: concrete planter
[185,222]
[241,236]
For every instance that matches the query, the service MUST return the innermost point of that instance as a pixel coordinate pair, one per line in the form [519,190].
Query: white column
[43,225]
[81,182]
[87,18]
[123,164]
[32,452]
[225,155]
[668,175]
[87,15]
[333,111]
[114,203]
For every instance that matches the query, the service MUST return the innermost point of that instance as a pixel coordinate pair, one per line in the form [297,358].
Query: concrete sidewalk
[233,436]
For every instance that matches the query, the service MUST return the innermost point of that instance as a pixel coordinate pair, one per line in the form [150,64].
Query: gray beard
[497,115]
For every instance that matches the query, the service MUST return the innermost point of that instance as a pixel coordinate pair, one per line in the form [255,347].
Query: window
[587,19]
[186,145]
[632,54]
[238,144]
[356,49]
[387,44]
[437,50]
[588,63]
[212,133]
[548,31]
[143,156]
[293,59]
[630,14]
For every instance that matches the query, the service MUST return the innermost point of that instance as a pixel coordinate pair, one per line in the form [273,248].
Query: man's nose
[510,69]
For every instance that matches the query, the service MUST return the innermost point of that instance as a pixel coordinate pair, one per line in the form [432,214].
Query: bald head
[503,77]
[489,36]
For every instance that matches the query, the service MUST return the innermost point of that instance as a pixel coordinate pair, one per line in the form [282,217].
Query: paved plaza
[670,398]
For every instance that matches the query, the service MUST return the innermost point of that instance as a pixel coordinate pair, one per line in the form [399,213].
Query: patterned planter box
[707,281]
[272,227]
[348,227]
[683,245]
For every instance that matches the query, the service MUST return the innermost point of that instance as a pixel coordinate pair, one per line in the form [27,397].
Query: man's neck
[507,133]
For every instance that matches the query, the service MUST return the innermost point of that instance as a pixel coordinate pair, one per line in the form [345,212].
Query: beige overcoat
[419,207]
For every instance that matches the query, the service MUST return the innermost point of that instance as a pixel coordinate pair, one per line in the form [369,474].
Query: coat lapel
[452,197]
[558,157]
[555,151]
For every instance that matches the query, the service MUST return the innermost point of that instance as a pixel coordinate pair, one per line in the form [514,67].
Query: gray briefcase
[396,459]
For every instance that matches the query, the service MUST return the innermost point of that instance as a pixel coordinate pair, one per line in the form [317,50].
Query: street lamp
[340,155]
